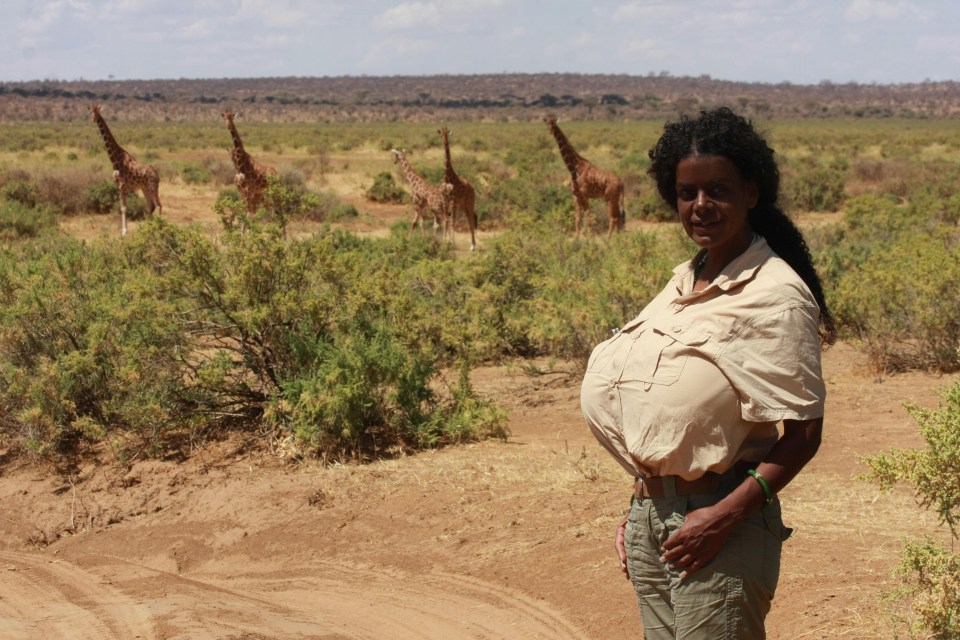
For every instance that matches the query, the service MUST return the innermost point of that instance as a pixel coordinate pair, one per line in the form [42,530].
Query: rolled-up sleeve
[774,365]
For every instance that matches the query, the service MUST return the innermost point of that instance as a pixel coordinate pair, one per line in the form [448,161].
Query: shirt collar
[736,274]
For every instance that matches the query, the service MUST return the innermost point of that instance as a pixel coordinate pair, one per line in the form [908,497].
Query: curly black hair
[721,132]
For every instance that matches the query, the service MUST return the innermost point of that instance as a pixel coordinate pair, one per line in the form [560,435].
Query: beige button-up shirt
[699,380]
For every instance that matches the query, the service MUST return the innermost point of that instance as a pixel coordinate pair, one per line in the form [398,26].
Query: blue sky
[799,41]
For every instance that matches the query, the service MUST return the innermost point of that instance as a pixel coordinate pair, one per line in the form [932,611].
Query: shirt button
[677,329]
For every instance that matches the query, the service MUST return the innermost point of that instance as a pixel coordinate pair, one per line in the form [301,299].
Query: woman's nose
[701,203]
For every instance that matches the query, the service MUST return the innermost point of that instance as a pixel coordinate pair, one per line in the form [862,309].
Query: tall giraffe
[587,181]
[463,197]
[251,176]
[426,196]
[129,174]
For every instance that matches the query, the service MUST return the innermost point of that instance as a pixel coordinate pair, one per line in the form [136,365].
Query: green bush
[811,185]
[102,197]
[18,221]
[885,270]
[196,174]
[902,316]
[87,352]
[20,190]
[929,571]
[135,343]
[342,211]
[385,189]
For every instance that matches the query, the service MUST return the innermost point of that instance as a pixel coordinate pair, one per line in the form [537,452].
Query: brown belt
[654,486]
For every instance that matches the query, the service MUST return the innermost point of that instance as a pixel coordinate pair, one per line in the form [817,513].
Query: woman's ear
[753,194]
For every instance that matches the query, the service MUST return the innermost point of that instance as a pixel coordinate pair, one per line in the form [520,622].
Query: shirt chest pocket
[658,354]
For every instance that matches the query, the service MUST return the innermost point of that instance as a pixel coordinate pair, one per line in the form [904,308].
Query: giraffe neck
[114,150]
[570,157]
[408,171]
[240,156]
[449,175]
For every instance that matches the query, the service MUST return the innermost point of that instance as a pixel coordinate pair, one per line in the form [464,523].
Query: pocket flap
[687,334]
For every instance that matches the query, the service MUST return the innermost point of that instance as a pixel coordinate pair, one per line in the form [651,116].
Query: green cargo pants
[727,599]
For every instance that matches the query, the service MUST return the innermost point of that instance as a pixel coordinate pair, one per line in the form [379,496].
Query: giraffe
[129,174]
[463,197]
[426,196]
[251,176]
[587,181]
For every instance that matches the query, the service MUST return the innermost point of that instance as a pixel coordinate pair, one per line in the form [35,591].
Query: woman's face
[713,200]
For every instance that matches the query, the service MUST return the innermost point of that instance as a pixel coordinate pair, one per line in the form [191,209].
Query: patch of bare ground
[489,540]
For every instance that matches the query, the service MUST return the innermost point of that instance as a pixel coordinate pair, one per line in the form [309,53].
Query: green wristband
[767,493]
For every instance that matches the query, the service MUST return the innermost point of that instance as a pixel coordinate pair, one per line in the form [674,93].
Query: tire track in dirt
[316,599]
[368,604]
[44,598]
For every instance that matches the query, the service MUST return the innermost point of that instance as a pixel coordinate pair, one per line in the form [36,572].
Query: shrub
[18,220]
[885,268]
[929,572]
[102,197]
[86,351]
[342,211]
[810,185]
[196,174]
[903,318]
[385,189]
[20,190]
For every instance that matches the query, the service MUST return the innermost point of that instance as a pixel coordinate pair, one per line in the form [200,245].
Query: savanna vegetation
[345,343]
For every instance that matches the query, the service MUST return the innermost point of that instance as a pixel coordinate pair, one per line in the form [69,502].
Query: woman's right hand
[621,547]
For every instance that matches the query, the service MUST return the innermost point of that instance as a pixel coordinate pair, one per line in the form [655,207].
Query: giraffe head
[228,115]
[397,154]
[94,111]
[551,120]
[445,134]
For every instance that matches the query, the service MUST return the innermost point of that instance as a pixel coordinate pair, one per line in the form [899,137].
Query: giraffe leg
[616,218]
[582,205]
[448,227]
[416,220]
[151,203]
[155,202]
[123,212]
[471,213]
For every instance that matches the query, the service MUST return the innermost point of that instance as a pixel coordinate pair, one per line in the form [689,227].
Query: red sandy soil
[486,541]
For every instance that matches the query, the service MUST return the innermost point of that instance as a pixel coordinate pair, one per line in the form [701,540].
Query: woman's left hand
[697,541]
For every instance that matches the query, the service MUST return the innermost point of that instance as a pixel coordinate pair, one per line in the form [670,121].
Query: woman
[687,397]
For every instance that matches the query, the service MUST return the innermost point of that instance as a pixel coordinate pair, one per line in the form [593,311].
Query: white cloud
[124,6]
[394,54]
[646,48]
[409,15]
[582,40]
[196,30]
[863,10]
[646,11]
[946,45]
[417,15]
[274,13]
[48,15]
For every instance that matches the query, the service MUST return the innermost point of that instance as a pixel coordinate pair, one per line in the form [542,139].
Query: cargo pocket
[660,351]
[776,534]
[603,353]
